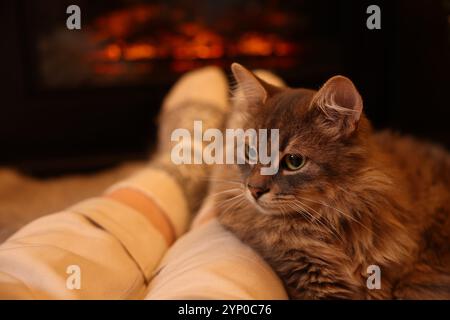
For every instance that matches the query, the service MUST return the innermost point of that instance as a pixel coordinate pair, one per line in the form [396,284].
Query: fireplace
[84,99]
[132,43]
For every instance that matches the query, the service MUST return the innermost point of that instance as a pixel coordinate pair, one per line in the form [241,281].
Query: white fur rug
[23,198]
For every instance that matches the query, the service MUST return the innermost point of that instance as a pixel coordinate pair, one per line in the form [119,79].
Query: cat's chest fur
[312,263]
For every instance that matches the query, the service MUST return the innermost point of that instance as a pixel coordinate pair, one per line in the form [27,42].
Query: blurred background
[83,100]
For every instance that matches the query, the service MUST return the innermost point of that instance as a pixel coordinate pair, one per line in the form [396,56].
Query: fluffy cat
[344,197]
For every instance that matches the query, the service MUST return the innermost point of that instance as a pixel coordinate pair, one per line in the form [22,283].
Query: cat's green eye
[293,162]
[250,154]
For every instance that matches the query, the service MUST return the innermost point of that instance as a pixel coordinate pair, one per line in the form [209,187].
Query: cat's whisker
[234,205]
[341,212]
[330,227]
[309,216]
[287,211]
[302,212]
[240,194]
[222,180]
[226,201]
[225,191]
[292,198]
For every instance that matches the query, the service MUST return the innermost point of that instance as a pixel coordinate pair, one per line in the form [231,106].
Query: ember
[124,32]
[123,44]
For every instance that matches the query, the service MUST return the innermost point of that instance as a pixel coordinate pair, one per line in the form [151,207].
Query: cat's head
[322,136]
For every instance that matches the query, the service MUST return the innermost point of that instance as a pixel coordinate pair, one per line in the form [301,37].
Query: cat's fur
[363,198]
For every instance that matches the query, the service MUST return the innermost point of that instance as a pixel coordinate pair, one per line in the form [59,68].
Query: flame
[127,35]
[203,45]
[121,23]
[139,51]
[252,44]
[113,52]
[196,42]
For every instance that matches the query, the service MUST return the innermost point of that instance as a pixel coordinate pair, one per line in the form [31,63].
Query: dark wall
[403,69]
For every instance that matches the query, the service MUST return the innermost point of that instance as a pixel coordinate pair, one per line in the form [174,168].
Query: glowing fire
[129,35]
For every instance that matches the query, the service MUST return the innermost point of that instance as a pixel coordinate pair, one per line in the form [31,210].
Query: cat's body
[362,199]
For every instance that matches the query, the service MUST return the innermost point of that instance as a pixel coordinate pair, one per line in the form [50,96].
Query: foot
[200,95]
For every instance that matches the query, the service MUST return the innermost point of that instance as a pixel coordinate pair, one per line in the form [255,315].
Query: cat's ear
[249,86]
[340,103]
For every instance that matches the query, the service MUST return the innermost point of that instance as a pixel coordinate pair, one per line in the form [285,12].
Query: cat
[344,197]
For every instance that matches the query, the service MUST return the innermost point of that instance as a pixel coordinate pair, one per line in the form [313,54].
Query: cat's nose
[257,191]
